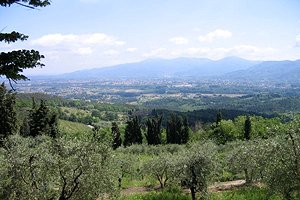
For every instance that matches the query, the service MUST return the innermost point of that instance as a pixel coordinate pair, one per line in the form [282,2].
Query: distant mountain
[160,68]
[278,71]
[230,68]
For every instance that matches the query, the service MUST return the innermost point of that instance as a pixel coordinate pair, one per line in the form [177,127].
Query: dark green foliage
[117,141]
[153,135]
[220,136]
[177,130]
[8,116]
[218,118]
[173,129]
[247,128]
[13,63]
[185,135]
[26,3]
[133,134]
[12,37]
[42,121]
[25,129]
[205,115]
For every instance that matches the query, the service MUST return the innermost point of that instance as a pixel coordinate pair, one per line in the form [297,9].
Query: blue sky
[82,34]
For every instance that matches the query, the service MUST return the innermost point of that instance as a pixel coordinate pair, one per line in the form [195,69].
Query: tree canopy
[13,63]
[26,3]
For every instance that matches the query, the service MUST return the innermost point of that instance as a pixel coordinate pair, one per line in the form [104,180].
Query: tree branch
[27,6]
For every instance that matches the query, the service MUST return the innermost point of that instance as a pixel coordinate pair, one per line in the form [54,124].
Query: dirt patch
[216,187]
[229,185]
[138,190]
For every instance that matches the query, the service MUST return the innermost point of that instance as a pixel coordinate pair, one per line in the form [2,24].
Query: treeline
[37,120]
[205,116]
[258,103]
[149,129]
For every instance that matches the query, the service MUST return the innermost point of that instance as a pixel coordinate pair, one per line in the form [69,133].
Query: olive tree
[196,167]
[44,168]
[283,171]
[249,158]
[162,167]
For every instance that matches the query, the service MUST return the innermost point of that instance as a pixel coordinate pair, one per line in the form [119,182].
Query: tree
[218,118]
[162,168]
[283,171]
[246,157]
[42,121]
[195,167]
[133,134]
[43,168]
[177,131]
[8,115]
[115,132]
[13,63]
[153,135]
[185,132]
[247,129]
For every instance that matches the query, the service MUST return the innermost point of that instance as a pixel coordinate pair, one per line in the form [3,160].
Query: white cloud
[214,35]
[195,51]
[83,51]
[245,51]
[179,40]
[131,50]
[89,1]
[111,52]
[298,41]
[160,52]
[72,39]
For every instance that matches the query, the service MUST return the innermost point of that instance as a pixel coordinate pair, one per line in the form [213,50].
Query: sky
[83,34]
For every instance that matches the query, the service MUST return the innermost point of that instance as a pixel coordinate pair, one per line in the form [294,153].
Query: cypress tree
[117,141]
[177,130]
[42,121]
[133,133]
[218,118]
[153,135]
[247,128]
[8,115]
[185,132]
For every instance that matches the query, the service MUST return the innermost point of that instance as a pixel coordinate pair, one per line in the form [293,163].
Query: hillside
[281,71]
[161,68]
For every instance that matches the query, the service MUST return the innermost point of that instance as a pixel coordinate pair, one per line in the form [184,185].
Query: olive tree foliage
[283,171]
[13,63]
[196,167]
[250,158]
[275,161]
[44,168]
[162,167]
[124,165]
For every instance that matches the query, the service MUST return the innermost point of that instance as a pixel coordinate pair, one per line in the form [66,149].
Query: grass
[74,129]
[246,193]
[168,194]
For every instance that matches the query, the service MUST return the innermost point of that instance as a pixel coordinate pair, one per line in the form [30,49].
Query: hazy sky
[81,34]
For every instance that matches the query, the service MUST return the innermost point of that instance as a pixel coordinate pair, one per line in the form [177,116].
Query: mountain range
[231,68]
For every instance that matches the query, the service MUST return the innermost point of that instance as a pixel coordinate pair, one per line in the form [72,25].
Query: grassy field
[246,193]
[74,129]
